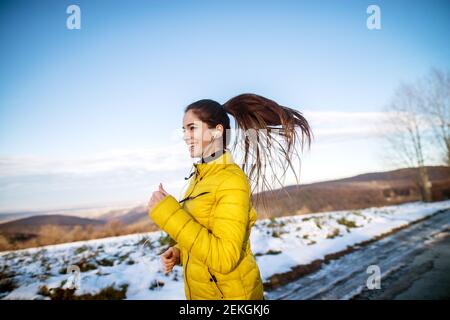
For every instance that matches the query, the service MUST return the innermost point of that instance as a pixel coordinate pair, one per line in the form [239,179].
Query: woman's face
[197,135]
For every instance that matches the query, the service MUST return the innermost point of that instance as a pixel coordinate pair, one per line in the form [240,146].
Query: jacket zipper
[213,277]
[186,277]
[190,198]
[188,254]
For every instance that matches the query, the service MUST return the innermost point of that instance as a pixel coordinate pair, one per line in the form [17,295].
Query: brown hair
[269,121]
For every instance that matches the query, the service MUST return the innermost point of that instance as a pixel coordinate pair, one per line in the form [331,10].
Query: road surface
[414,264]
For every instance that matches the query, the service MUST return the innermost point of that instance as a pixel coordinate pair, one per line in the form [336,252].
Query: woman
[212,223]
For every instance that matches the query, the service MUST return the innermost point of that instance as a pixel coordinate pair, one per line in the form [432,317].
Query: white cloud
[326,126]
[123,174]
[170,158]
[332,126]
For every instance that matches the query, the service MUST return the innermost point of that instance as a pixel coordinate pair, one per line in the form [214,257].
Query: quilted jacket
[211,226]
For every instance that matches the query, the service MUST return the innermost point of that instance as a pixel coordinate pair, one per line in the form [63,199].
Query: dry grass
[52,234]
[108,293]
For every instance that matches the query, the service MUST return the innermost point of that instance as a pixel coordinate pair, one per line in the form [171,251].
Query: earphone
[215,135]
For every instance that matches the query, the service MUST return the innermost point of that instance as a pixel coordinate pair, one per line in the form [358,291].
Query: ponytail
[276,135]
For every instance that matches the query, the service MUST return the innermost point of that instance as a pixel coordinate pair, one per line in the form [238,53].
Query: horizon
[131,204]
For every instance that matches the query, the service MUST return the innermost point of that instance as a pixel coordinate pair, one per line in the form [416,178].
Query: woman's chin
[192,153]
[195,152]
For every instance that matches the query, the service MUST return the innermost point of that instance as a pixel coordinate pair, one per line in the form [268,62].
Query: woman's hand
[170,257]
[157,196]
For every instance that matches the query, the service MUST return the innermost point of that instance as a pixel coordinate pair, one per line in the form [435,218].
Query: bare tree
[404,129]
[434,105]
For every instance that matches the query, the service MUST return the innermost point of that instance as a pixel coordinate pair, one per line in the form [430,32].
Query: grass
[270,252]
[143,240]
[124,257]
[85,265]
[274,223]
[105,262]
[333,234]
[108,293]
[347,223]
[7,285]
[357,213]
[80,249]
[53,234]
[273,252]
[165,242]
[317,222]
[277,227]
[155,284]
[62,270]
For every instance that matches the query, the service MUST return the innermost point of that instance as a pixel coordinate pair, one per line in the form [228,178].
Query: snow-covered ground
[278,244]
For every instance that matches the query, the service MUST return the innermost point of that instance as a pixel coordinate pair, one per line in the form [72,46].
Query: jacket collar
[212,157]
[213,163]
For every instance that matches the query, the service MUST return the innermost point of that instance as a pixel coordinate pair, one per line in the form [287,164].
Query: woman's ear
[218,132]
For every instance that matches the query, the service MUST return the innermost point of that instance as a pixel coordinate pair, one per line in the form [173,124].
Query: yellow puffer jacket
[212,228]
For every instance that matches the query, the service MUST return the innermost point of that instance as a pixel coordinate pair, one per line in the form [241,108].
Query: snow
[278,245]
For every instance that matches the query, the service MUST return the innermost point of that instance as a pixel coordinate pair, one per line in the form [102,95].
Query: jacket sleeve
[181,257]
[219,248]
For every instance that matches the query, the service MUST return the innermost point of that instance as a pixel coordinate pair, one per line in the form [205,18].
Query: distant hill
[405,174]
[47,229]
[127,216]
[374,189]
[56,219]
[357,192]
[362,191]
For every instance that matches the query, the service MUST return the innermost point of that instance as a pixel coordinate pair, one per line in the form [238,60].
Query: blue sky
[85,113]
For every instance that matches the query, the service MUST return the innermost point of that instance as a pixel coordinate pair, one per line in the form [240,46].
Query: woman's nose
[186,137]
[188,141]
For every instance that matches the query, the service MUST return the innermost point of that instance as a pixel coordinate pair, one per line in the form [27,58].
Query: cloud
[122,174]
[148,160]
[332,126]
[327,127]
